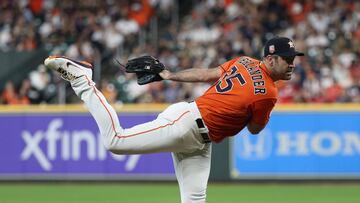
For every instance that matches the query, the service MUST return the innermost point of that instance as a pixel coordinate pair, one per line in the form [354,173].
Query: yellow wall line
[140,108]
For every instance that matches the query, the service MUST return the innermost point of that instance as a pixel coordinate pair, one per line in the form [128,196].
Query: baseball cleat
[69,69]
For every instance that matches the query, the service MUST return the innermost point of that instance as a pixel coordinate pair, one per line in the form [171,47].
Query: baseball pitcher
[243,95]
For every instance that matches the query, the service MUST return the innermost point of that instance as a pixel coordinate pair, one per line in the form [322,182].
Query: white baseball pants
[174,130]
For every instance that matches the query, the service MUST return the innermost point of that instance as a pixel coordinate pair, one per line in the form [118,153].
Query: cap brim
[299,53]
[291,53]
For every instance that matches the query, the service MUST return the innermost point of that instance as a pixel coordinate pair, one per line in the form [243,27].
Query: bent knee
[118,146]
[113,146]
[115,149]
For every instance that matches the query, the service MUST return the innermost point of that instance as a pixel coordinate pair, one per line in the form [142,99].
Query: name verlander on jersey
[253,69]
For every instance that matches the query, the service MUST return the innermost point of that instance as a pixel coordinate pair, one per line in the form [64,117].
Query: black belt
[201,125]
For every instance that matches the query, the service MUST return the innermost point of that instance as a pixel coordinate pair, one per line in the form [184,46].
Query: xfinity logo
[69,144]
[322,143]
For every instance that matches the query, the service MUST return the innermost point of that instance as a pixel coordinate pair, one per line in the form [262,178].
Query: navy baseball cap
[281,46]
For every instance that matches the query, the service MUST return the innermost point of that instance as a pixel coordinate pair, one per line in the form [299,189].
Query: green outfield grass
[168,193]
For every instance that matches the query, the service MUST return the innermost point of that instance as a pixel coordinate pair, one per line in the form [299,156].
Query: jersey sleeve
[226,66]
[261,110]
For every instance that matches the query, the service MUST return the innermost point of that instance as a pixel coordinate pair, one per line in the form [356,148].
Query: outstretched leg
[173,130]
[103,113]
[79,75]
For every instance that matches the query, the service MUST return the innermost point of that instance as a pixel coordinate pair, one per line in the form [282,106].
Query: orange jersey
[244,93]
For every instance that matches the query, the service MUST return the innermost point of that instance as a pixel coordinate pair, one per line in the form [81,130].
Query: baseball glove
[146,68]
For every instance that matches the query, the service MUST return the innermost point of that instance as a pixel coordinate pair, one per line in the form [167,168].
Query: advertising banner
[68,145]
[300,145]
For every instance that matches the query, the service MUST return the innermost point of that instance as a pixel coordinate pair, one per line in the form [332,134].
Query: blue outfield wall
[301,144]
[63,142]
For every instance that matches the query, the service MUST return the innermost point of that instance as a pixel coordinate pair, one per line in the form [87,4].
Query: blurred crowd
[184,34]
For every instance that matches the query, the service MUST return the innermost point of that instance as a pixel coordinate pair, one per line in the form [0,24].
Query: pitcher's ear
[269,59]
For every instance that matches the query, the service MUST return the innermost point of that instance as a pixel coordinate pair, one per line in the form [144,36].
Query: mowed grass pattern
[168,193]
